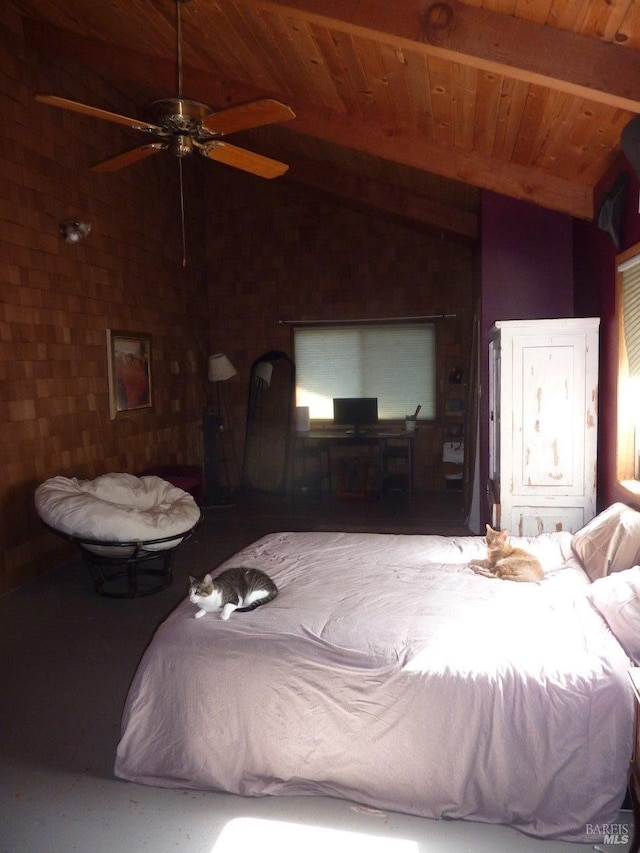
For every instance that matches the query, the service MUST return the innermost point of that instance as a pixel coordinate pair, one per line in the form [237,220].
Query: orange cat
[506,562]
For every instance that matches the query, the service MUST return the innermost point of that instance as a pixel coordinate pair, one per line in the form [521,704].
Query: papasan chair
[126,528]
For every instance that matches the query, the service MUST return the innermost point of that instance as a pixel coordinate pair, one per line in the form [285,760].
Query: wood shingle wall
[58,299]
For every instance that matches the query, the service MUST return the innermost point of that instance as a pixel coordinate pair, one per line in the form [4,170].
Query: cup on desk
[410,424]
[303,422]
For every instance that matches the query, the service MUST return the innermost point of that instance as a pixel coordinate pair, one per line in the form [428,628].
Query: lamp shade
[220,368]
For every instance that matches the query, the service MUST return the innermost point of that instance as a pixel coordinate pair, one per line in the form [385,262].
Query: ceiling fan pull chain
[184,240]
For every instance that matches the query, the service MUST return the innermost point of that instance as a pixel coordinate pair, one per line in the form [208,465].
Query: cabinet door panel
[533,520]
[548,413]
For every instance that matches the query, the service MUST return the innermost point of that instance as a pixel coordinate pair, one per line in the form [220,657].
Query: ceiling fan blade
[85,109]
[128,158]
[248,161]
[245,116]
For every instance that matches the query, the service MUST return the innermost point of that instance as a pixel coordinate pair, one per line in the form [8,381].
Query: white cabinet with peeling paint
[543,404]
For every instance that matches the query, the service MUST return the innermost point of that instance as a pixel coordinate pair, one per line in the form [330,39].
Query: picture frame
[129,368]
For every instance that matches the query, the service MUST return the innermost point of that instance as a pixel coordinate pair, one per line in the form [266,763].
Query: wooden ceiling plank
[465,82]
[600,145]
[529,124]
[158,27]
[347,54]
[604,19]
[203,43]
[268,28]
[628,34]
[441,88]
[342,81]
[270,44]
[374,72]
[568,16]
[489,91]
[513,101]
[561,124]
[537,11]
[154,32]
[552,127]
[394,64]
[298,77]
[581,65]
[240,36]
[420,92]
[505,7]
[314,69]
[582,128]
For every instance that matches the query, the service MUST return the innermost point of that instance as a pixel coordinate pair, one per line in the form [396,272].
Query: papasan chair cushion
[117,508]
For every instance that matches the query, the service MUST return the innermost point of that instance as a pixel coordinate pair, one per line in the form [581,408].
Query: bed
[388,673]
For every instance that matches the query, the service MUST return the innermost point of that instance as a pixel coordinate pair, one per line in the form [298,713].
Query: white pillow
[617,599]
[610,542]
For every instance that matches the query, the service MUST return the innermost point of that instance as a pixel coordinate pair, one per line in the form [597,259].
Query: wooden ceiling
[409,106]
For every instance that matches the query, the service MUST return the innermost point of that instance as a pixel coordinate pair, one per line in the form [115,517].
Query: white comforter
[387,672]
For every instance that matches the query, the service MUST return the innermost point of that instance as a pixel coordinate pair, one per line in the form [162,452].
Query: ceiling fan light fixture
[181,145]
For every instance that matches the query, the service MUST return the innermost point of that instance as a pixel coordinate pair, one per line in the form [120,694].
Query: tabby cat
[238,588]
[506,562]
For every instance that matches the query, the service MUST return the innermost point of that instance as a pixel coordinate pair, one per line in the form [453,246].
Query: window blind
[630,272]
[393,362]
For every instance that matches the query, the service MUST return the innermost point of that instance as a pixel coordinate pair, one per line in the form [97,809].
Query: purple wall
[526,269]
[527,261]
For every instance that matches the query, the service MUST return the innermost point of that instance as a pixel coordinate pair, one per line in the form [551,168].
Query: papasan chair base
[126,528]
[133,573]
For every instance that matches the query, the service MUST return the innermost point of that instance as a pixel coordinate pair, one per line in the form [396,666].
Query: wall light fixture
[73,230]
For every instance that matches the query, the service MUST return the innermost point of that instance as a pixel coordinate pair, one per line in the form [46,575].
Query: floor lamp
[219,369]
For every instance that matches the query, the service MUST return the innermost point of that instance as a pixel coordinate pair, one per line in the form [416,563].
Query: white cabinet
[543,404]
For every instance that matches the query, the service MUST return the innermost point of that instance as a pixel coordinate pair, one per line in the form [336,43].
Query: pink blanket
[388,673]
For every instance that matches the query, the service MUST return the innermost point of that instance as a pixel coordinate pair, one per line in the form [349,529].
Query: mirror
[269,417]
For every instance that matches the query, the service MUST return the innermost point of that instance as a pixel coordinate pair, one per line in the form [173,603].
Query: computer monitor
[355,412]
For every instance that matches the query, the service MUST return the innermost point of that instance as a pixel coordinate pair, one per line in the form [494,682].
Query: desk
[391,445]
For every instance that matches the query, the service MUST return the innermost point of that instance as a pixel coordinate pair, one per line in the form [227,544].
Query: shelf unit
[455,419]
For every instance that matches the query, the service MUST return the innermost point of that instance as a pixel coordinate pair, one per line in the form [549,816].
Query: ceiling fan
[182,126]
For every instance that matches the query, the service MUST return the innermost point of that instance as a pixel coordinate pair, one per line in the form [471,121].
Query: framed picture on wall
[129,360]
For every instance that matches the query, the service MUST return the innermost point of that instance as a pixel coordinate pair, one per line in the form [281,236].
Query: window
[393,362]
[628,310]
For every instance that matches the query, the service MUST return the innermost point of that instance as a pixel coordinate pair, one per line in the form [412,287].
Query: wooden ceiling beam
[509,179]
[352,132]
[499,43]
